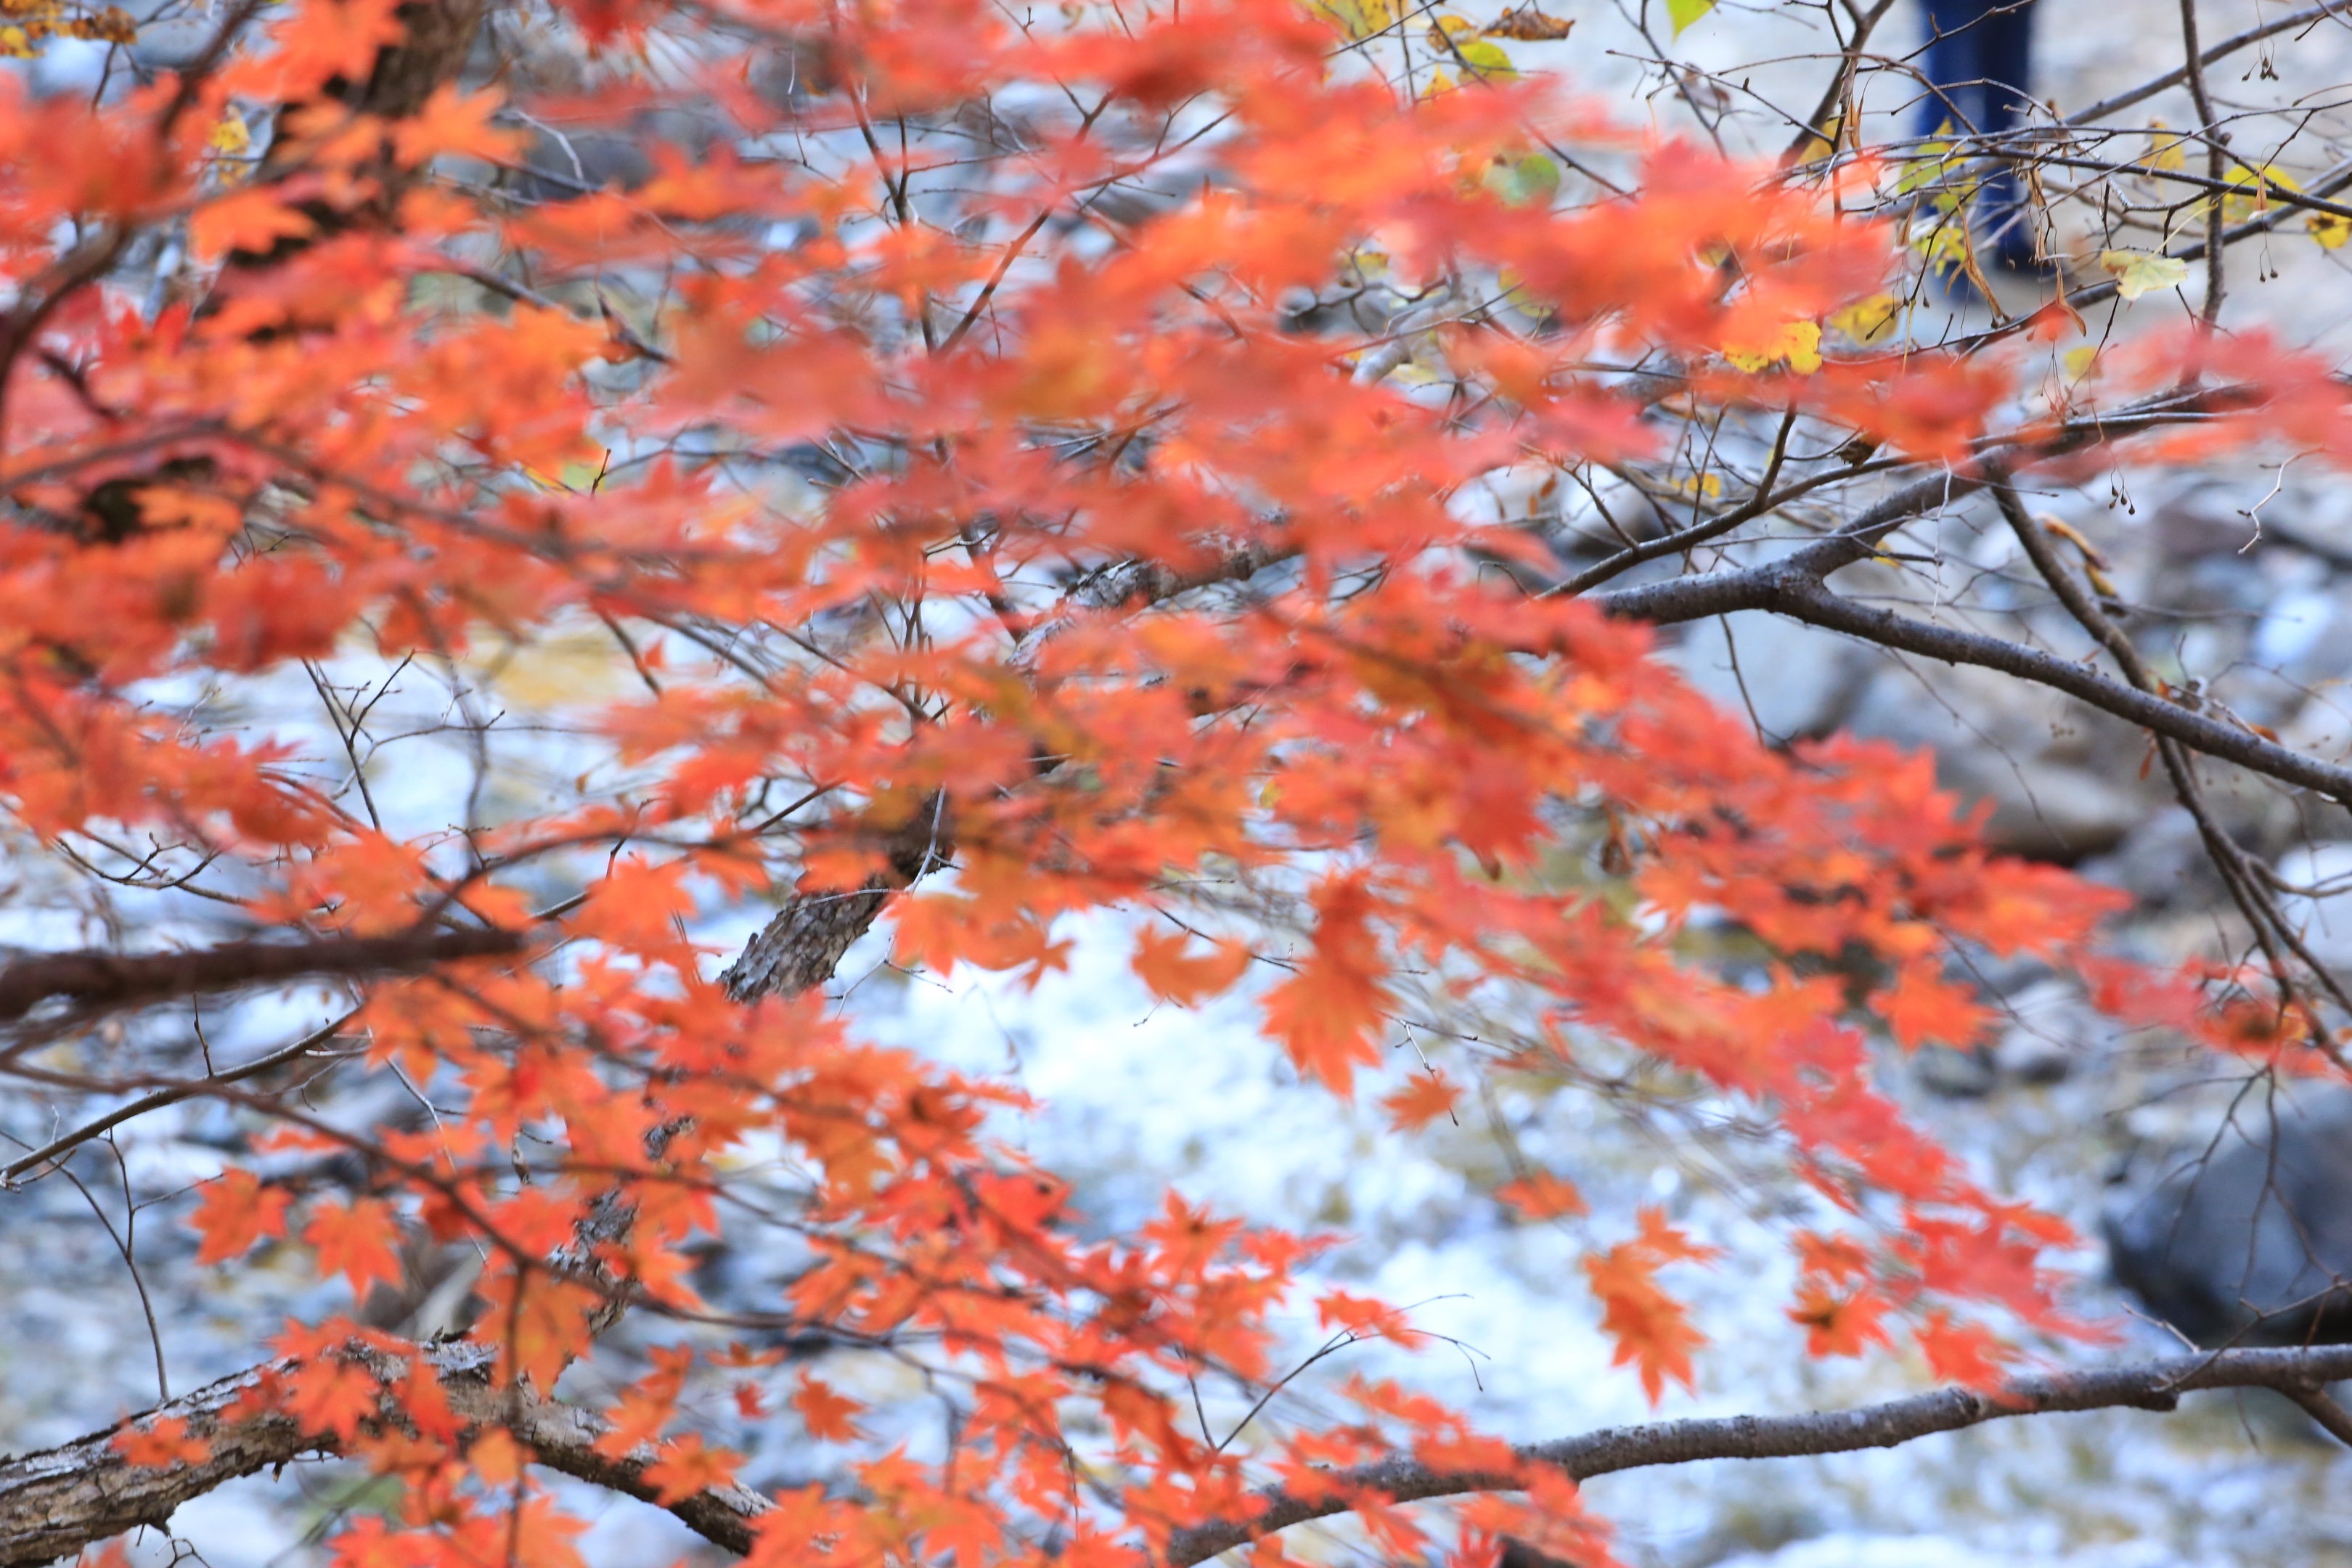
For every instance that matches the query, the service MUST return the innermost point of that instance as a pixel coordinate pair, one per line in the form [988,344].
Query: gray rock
[2250,1242]
[2063,780]
[1801,682]
[1954,1074]
[2160,862]
[2053,1031]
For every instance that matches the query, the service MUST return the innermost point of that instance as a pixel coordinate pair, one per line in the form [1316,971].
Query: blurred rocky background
[2224,1203]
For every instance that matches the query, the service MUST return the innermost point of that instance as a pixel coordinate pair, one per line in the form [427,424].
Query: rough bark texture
[1149,582]
[804,943]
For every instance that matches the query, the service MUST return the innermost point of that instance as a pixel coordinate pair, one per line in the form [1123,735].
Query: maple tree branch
[804,942]
[1788,588]
[1146,582]
[2298,1373]
[99,982]
[66,1142]
[58,1501]
[1794,586]
[1697,598]
[1841,84]
[2271,929]
[2332,1418]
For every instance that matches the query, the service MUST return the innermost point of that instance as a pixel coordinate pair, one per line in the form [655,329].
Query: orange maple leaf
[1965,1354]
[1839,1325]
[1420,1100]
[327,1393]
[1330,1012]
[1165,962]
[830,1416]
[356,1241]
[1542,1195]
[235,1212]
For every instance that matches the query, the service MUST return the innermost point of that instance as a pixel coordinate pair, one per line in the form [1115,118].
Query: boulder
[1801,682]
[2063,780]
[2247,1240]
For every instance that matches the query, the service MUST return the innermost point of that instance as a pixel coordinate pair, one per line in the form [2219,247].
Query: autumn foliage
[987,536]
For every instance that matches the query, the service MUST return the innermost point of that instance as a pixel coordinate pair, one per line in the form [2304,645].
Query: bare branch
[99,982]
[2220,51]
[67,1142]
[1786,588]
[2147,1385]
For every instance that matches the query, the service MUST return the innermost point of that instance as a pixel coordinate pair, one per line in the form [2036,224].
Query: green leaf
[1524,182]
[1483,60]
[2139,272]
[1683,12]
[1924,166]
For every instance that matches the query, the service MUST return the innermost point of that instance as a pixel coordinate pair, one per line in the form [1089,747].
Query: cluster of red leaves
[316,456]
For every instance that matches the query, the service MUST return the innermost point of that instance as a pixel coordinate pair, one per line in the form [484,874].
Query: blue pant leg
[1979,57]
[1955,65]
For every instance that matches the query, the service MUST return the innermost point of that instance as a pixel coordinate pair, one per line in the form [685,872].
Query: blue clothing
[1980,69]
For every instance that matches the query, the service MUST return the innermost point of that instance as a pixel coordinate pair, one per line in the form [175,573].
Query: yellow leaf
[1518,182]
[2079,361]
[2139,272]
[1359,19]
[2331,229]
[1683,12]
[2259,184]
[577,665]
[229,136]
[1867,321]
[1929,162]
[2164,154]
[1797,344]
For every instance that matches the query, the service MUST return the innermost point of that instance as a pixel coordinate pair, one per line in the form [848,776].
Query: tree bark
[99,982]
[57,1501]
[2146,1385]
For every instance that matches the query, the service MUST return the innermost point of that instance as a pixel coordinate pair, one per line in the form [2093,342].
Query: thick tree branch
[2147,1385]
[1150,582]
[57,1501]
[99,982]
[1789,588]
[804,944]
